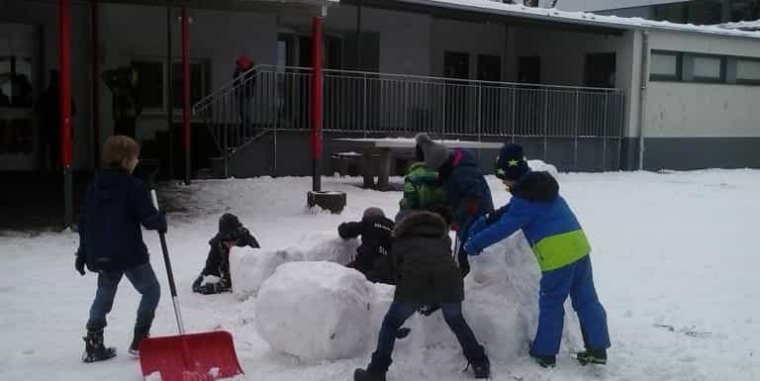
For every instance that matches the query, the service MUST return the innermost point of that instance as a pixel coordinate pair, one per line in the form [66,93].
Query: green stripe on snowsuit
[560,250]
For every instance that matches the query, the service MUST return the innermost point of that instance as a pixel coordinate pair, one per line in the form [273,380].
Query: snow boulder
[249,268]
[315,311]
[541,166]
[331,248]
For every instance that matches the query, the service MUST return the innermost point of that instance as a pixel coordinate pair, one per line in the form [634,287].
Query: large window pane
[707,68]
[748,70]
[198,86]
[664,66]
[151,84]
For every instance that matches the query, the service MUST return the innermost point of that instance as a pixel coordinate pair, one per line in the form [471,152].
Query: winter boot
[141,333]
[481,366]
[544,361]
[593,356]
[94,349]
[365,375]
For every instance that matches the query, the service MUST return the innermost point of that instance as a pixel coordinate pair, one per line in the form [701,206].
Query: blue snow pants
[575,280]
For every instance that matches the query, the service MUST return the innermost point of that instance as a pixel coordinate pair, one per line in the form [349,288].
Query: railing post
[445,111]
[604,133]
[546,123]
[514,112]
[225,143]
[479,110]
[364,104]
[576,127]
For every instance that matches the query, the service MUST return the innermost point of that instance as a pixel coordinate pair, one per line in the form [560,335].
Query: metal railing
[270,98]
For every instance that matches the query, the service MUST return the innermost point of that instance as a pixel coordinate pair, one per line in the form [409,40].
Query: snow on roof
[517,10]
[743,25]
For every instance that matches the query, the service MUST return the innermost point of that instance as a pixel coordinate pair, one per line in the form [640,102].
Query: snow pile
[541,166]
[323,311]
[315,311]
[249,268]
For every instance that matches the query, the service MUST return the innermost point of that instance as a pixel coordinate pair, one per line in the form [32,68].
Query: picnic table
[378,153]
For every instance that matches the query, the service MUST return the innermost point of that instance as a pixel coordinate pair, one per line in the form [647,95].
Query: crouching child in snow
[426,275]
[111,244]
[562,251]
[372,257]
[231,233]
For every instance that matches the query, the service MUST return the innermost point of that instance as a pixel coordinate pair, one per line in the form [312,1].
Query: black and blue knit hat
[511,164]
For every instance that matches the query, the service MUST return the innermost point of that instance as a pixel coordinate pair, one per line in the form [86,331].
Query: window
[665,66]
[748,71]
[198,83]
[706,68]
[150,84]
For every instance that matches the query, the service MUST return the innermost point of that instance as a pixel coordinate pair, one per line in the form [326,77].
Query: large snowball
[541,166]
[249,268]
[315,311]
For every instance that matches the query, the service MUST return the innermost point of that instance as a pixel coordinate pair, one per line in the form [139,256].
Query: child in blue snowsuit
[562,251]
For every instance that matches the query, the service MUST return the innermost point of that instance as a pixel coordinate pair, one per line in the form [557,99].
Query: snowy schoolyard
[675,260]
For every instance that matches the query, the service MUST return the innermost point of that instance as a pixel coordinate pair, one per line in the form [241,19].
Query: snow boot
[94,349]
[593,356]
[481,366]
[544,361]
[365,375]
[141,333]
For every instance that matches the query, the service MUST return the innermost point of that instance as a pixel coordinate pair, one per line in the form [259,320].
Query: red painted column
[186,91]
[316,100]
[65,69]
[64,35]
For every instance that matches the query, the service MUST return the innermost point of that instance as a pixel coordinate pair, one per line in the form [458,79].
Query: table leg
[385,170]
[367,169]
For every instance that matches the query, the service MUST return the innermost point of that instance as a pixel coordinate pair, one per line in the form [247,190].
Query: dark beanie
[511,164]
[230,227]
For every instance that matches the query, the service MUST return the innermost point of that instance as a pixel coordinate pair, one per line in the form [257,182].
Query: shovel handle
[169,272]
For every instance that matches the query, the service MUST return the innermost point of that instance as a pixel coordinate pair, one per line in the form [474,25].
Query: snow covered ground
[675,262]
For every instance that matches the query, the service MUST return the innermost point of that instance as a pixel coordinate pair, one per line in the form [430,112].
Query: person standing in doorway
[123,83]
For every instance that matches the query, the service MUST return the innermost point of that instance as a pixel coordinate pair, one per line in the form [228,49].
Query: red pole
[65,90]
[64,24]
[186,90]
[95,80]
[316,100]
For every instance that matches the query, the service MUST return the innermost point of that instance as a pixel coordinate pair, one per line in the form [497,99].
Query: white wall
[563,53]
[404,37]
[702,109]
[470,37]
[45,16]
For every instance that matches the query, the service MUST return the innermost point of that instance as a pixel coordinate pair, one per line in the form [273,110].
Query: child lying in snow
[426,275]
[562,251]
[215,277]
[372,256]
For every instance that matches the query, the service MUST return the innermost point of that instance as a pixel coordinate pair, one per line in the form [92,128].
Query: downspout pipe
[643,95]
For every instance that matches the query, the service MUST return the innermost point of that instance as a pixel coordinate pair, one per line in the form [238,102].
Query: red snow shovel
[203,356]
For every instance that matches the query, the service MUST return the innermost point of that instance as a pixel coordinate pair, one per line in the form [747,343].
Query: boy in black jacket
[110,243]
[231,233]
[372,255]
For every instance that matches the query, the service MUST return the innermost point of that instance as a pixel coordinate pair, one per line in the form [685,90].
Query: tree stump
[335,202]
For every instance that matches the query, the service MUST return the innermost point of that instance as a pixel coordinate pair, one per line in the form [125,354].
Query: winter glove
[403,333]
[464,268]
[428,310]
[79,264]
[163,228]
[213,288]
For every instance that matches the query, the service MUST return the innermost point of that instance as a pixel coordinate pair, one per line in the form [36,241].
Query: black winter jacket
[115,205]
[376,240]
[425,270]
